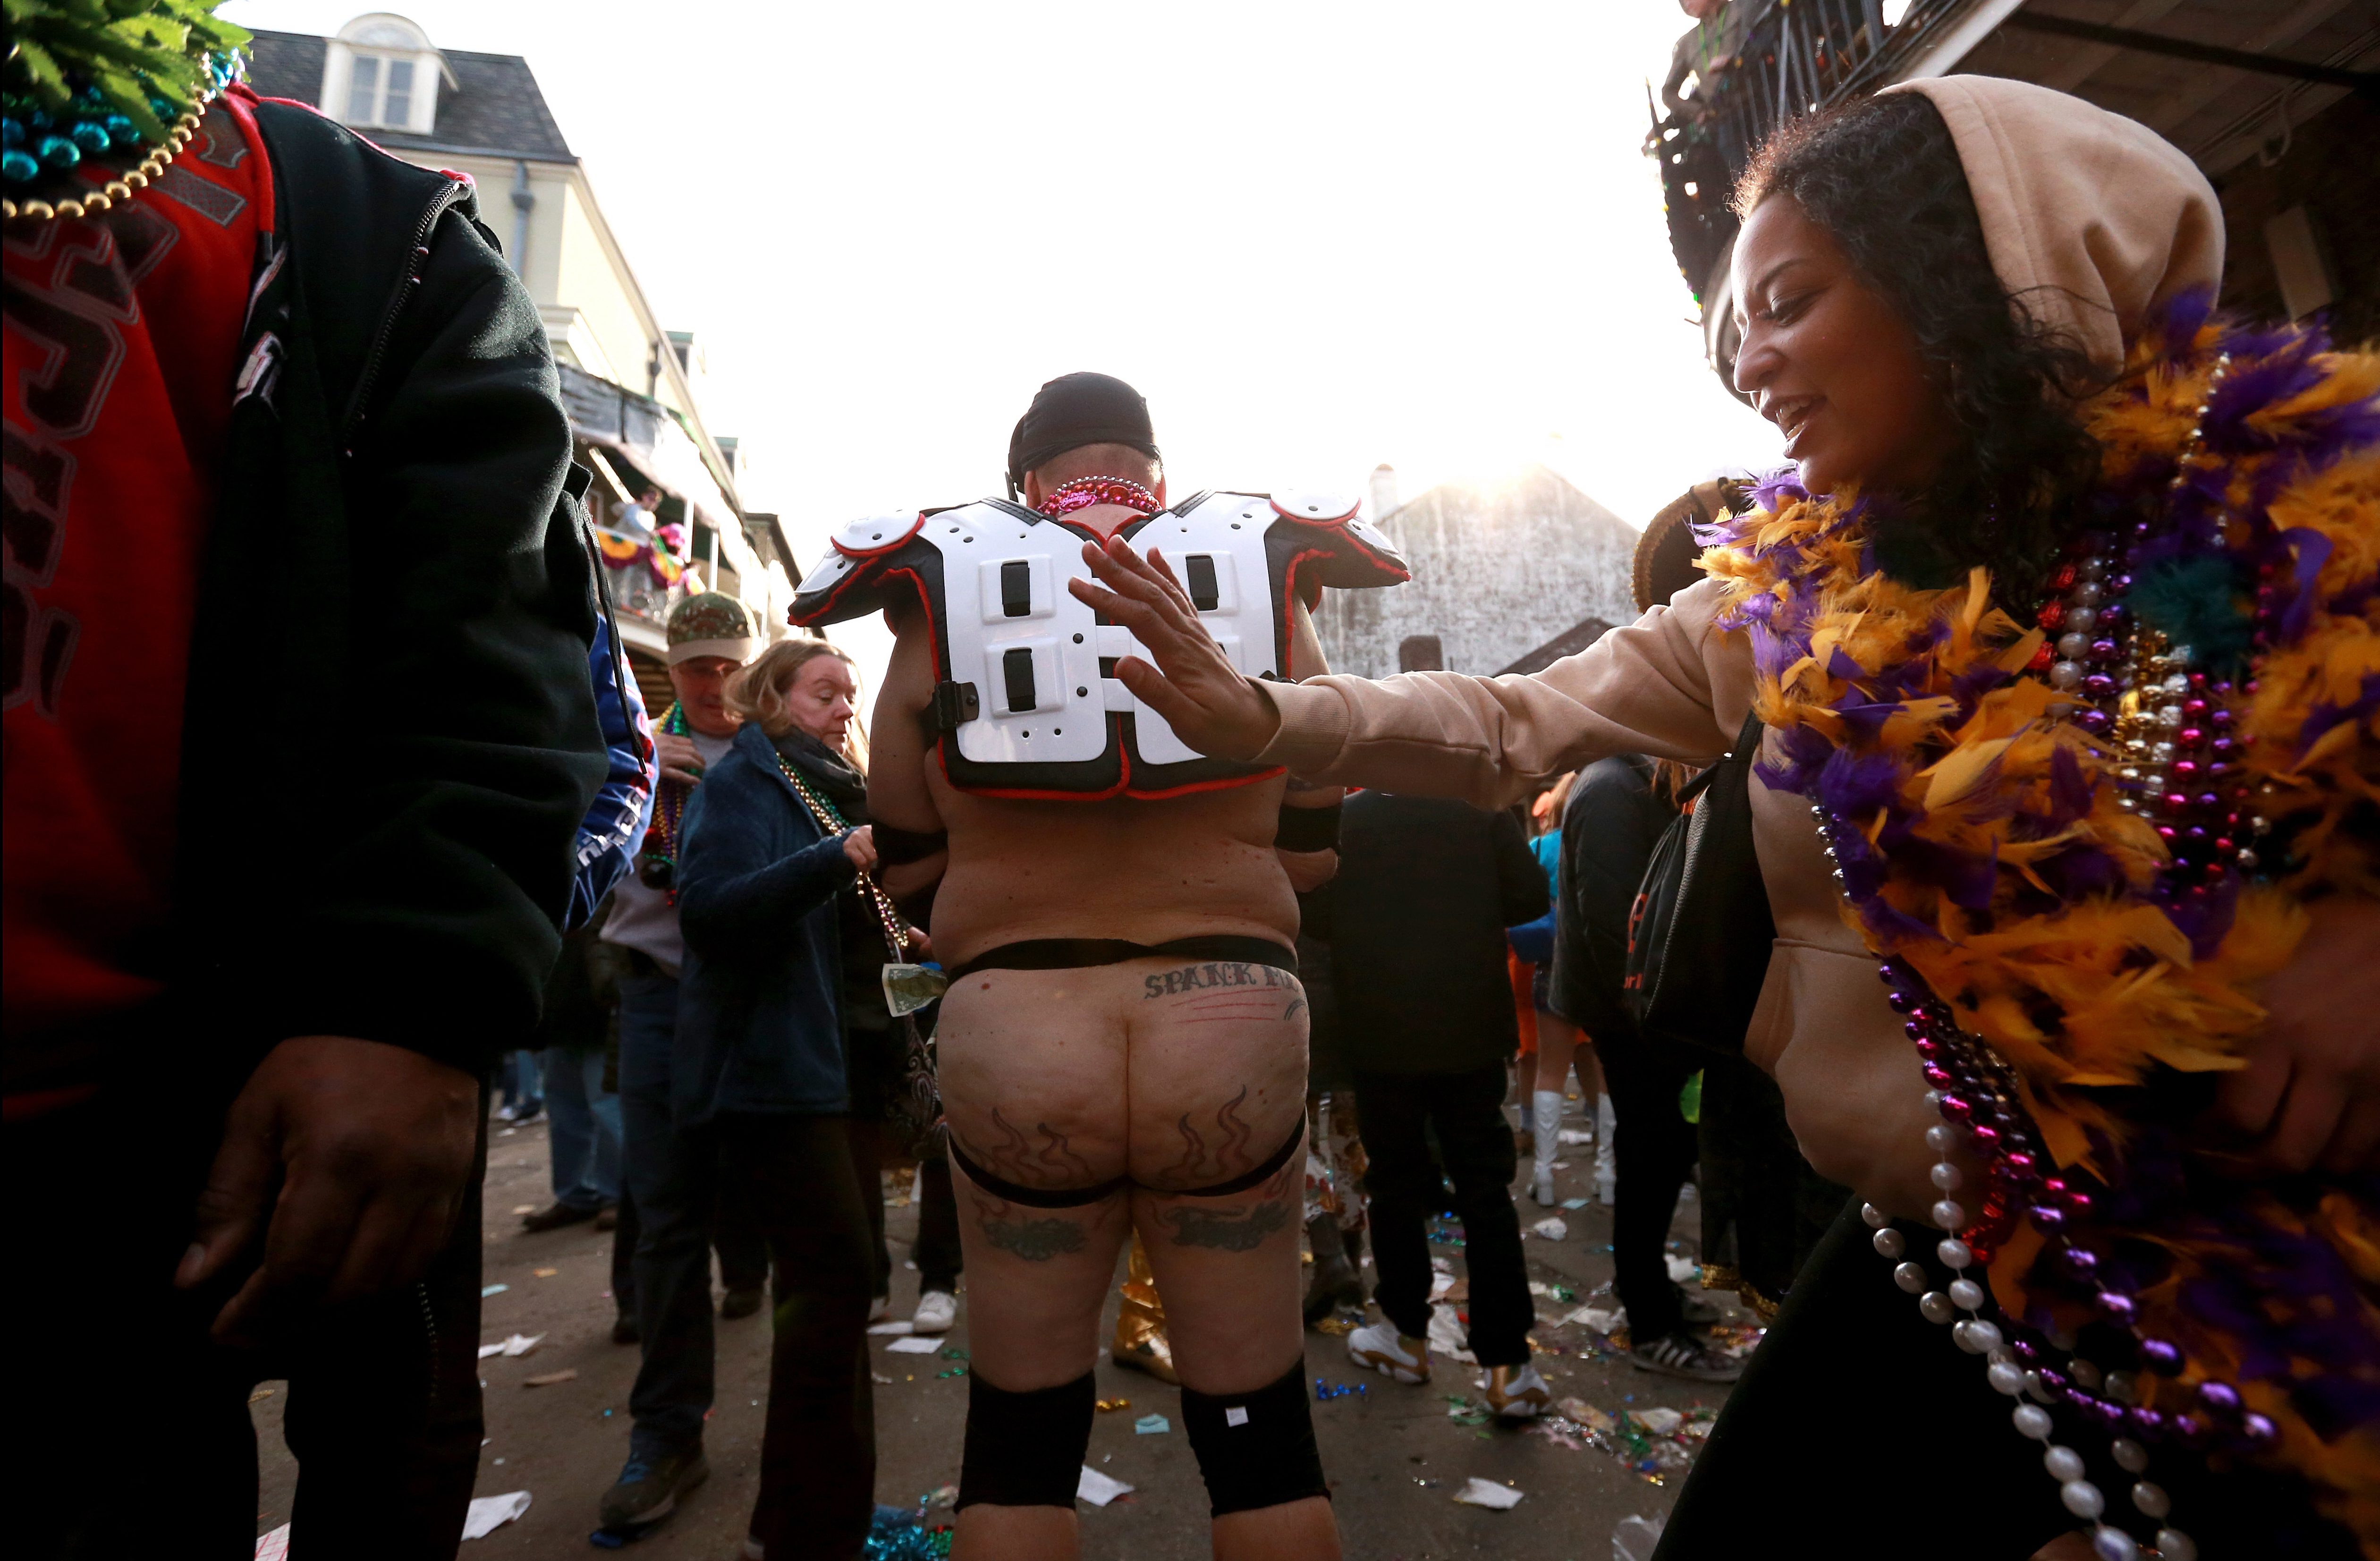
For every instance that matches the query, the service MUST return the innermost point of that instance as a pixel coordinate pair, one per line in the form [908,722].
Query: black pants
[143,1445]
[1395,1112]
[936,1250]
[735,1236]
[1853,1391]
[817,1455]
[1652,1152]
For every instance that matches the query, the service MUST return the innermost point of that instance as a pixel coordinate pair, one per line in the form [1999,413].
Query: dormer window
[380,91]
[382,73]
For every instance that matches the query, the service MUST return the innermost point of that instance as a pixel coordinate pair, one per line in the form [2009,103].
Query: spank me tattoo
[1035,1241]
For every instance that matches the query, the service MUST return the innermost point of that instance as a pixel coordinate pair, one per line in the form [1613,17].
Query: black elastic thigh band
[1025,1449]
[1255,1450]
[1076,954]
[1075,1197]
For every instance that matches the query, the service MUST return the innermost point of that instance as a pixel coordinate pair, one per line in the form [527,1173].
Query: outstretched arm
[1644,688]
[1308,870]
[899,748]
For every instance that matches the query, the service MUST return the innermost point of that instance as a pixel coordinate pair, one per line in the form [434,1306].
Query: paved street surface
[1395,1455]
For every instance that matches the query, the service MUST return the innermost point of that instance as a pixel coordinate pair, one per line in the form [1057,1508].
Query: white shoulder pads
[879,534]
[825,573]
[1315,506]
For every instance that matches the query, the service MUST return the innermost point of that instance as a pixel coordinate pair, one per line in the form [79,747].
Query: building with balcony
[633,389]
[2277,101]
[1500,571]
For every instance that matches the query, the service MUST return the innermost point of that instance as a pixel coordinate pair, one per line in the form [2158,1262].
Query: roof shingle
[496,106]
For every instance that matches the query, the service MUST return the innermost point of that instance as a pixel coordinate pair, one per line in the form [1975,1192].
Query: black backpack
[1699,931]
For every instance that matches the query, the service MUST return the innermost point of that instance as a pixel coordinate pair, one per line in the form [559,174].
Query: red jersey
[122,340]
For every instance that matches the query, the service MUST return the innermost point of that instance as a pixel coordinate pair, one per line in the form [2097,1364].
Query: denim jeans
[584,1129]
[672,1178]
[521,1085]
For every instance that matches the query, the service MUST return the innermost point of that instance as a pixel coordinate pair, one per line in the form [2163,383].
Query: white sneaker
[881,1310]
[1379,1345]
[1516,1392]
[937,1309]
[1541,1187]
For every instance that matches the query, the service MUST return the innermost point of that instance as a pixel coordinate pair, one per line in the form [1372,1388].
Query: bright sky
[1317,237]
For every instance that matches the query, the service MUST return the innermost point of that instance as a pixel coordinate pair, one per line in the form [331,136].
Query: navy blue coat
[760,1018]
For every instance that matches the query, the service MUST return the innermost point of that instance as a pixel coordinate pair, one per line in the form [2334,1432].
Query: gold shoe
[1516,1392]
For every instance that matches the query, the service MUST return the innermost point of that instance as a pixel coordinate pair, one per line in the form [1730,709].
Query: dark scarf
[825,769]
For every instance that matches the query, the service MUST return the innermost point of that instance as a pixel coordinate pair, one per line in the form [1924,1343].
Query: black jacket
[1610,827]
[391,737]
[1426,889]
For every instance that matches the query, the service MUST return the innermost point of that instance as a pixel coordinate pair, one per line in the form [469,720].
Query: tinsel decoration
[104,79]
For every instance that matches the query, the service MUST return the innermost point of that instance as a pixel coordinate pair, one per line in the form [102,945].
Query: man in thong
[1122,1046]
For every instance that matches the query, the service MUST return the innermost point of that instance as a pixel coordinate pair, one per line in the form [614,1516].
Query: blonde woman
[773,835]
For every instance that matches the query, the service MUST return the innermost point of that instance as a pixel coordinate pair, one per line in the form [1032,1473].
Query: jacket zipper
[415,263]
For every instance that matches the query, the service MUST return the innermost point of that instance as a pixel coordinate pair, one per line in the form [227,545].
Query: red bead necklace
[1085,491]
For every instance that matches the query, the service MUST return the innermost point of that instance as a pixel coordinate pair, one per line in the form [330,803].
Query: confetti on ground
[1329,1390]
[953,1352]
[487,1290]
[953,1372]
[1152,1425]
[1477,1492]
[1110,1406]
[567,1373]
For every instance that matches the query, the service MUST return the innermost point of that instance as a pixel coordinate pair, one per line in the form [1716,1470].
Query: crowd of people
[1981,825]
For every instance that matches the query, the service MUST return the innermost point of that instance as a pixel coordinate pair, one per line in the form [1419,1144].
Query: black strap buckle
[955,704]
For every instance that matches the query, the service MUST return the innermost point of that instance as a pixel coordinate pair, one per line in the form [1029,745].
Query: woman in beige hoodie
[1984,305]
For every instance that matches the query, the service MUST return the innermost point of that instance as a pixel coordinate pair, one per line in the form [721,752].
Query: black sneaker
[1682,1355]
[553,1217]
[649,1491]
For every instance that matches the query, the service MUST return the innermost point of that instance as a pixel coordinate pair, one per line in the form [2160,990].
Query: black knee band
[1025,1449]
[1255,1450]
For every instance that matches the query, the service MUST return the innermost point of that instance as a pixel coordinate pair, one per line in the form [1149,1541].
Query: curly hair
[1883,176]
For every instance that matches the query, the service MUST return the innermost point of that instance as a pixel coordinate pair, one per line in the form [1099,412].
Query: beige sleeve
[1648,687]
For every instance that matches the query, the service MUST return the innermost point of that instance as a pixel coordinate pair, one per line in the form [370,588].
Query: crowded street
[1398,1455]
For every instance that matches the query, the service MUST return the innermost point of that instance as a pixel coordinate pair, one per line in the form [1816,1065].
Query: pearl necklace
[2169,725]
[1085,491]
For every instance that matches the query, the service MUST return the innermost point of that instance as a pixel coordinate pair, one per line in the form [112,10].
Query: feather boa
[1981,842]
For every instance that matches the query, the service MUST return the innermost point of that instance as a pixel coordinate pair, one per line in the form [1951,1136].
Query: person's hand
[2310,1095]
[920,947]
[859,846]
[371,1146]
[680,760]
[1194,685]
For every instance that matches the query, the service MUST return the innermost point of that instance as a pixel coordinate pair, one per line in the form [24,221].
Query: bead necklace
[2169,725]
[830,820]
[658,870]
[1085,491]
[36,141]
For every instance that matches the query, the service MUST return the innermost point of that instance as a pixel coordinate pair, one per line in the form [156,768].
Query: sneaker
[1396,1355]
[1683,1355]
[742,1301]
[937,1309]
[1516,1392]
[648,1491]
[1541,1187]
[553,1217]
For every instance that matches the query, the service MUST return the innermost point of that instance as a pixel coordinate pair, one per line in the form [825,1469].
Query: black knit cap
[1073,411]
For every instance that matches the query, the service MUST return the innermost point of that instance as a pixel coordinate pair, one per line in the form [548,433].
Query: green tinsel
[133,53]
[2192,601]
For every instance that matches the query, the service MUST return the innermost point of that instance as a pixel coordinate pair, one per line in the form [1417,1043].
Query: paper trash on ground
[1553,1227]
[902,1326]
[1477,1492]
[517,1345]
[1577,1135]
[1446,1334]
[1152,1425]
[1683,1271]
[1660,1422]
[567,1373]
[914,1343]
[1601,1319]
[489,1513]
[1440,1283]
[1098,1489]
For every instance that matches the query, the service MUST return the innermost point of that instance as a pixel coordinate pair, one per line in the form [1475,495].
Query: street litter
[517,1345]
[1573,1203]
[1440,1283]
[1660,1422]
[903,1327]
[1098,1489]
[1336,1325]
[1477,1492]
[1601,1319]
[1463,1411]
[567,1373]
[940,1495]
[1683,1271]
[488,1514]
[1442,1265]
[545,1273]
[953,1372]
[877,1377]
[487,1290]
[913,1344]
[1448,1337]
[1110,1406]
[1539,1287]
[1326,1391]
[1577,1135]
[524,1208]
[1633,1539]
[1553,1227]
[1585,1414]
[1151,1425]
